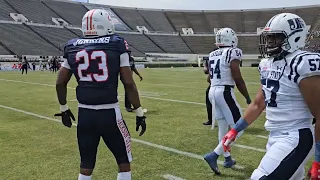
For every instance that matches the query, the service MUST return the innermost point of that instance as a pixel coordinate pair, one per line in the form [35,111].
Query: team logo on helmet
[296,24]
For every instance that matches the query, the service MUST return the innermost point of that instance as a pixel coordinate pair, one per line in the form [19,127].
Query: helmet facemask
[273,44]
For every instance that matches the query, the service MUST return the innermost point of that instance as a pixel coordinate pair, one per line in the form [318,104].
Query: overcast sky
[207,4]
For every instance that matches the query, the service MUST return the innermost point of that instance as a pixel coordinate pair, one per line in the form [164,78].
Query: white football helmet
[288,29]
[97,22]
[226,37]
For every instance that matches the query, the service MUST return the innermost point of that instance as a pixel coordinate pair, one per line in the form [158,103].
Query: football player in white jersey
[224,74]
[290,93]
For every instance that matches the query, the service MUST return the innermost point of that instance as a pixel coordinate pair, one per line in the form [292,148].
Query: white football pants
[287,153]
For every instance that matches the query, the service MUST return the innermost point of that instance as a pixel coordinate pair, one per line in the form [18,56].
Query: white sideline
[188,154]
[156,98]
[171,177]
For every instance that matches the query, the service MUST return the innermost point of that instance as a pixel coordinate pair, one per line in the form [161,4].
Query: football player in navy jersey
[96,60]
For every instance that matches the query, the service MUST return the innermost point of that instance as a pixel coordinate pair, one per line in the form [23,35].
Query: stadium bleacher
[22,41]
[170,43]
[164,27]
[157,20]
[69,11]
[200,44]
[3,51]
[57,36]
[132,18]
[5,11]
[140,41]
[34,10]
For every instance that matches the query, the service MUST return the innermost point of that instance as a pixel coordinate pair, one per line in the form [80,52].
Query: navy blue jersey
[95,62]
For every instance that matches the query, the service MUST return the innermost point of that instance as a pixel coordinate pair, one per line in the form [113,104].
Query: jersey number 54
[215,69]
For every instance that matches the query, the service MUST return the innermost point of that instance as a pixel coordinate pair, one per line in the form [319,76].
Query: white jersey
[219,65]
[285,105]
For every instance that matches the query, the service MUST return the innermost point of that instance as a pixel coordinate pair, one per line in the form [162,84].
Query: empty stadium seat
[71,12]
[170,43]
[132,18]
[3,51]
[178,20]
[141,42]
[58,36]
[5,11]
[157,20]
[202,44]
[23,41]
[34,10]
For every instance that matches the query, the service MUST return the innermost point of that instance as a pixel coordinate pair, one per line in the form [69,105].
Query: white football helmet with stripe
[287,30]
[97,22]
[226,37]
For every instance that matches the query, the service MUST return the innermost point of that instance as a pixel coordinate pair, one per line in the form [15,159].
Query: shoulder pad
[234,53]
[304,65]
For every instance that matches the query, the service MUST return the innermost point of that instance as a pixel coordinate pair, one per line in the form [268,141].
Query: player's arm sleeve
[233,54]
[124,60]
[306,66]
[65,64]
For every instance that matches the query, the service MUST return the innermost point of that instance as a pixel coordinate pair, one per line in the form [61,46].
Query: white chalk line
[264,137]
[171,177]
[188,154]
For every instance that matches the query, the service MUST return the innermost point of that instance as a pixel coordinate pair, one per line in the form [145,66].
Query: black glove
[66,117]
[141,121]
[248,101]
[314,121]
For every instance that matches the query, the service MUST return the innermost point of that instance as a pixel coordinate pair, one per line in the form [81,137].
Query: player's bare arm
[310,89]
[64,76]
[130,86]
[236,74]
[253,111]
[133,94]
[134,69]
[205,68]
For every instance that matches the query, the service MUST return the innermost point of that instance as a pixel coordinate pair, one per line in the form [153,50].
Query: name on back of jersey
[216,53]
[102,40]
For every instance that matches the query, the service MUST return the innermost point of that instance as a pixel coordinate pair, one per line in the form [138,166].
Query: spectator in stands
[134,69]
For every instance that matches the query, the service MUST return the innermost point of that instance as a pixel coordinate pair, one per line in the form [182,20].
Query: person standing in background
[25,65]
[34,65]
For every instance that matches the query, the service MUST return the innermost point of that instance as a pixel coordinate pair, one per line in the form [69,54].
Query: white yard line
[249,147]
[158,146]
[171,177]
[260,136]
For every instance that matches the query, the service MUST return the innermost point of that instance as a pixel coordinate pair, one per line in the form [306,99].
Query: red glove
[314,172]
[228,139]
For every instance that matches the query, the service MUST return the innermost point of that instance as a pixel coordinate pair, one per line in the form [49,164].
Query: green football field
[35,145]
